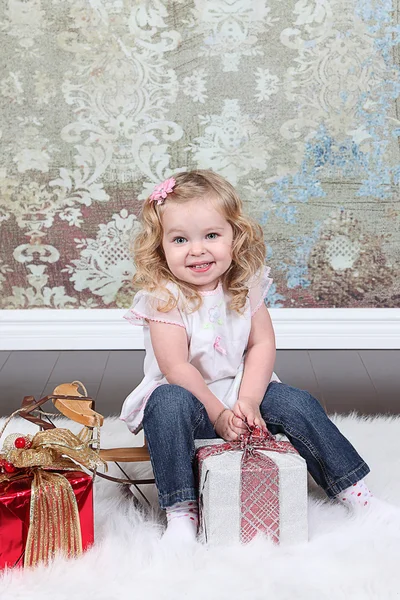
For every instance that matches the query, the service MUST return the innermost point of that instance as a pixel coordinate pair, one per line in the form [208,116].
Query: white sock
[182,522]
[357,494]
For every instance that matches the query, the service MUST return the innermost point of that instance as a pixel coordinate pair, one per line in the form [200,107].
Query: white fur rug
[347,556]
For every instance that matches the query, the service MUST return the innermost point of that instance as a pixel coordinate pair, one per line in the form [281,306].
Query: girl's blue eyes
[178,240]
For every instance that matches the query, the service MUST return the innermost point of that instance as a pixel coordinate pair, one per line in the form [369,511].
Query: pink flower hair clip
[162,190]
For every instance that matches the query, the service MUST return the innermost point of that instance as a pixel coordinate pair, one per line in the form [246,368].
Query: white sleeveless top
[217,339]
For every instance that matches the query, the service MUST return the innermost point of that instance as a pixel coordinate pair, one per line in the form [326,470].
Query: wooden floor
[343,380]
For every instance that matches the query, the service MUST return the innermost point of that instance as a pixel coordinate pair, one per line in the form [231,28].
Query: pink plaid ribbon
[259,481]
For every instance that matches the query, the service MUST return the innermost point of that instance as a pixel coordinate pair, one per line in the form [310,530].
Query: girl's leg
[173,419]
[331,459]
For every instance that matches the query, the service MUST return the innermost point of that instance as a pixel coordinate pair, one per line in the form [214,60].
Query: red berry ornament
[9,467]
[20,442]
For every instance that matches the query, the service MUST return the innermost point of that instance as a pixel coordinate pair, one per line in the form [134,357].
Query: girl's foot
[357,494]
[183,520]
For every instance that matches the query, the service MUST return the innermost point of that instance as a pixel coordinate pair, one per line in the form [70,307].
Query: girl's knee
[287,400]
[168,400]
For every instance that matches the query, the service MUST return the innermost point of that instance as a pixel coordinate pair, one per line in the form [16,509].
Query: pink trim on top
[212,292]
[264,294]
[142,404]
[138,317]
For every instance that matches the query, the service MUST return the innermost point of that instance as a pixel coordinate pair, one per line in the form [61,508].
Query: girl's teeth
[201,266]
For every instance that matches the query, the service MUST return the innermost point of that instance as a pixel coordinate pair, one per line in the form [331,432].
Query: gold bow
[54,517]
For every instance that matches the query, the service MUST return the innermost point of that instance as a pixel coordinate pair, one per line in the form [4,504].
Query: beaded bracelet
[222,411]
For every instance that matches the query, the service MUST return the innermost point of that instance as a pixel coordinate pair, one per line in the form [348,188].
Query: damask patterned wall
[296,103]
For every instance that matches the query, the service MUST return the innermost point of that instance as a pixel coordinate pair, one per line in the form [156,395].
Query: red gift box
[15,500]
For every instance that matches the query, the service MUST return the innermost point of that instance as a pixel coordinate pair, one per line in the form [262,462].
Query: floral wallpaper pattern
[294,102]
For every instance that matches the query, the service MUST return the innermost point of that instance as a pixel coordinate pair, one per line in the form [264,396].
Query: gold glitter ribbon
[54,525]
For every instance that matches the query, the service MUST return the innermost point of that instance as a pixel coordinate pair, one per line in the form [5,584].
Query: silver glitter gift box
[220,497]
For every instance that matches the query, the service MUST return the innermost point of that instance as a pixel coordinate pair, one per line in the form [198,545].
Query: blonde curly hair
[248,247]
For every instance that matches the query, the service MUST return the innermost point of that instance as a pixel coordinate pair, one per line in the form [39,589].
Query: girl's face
[197,242]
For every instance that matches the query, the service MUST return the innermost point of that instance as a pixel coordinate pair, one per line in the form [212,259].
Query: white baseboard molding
[105,329]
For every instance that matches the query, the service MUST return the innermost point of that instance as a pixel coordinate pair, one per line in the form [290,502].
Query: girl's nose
[197,248]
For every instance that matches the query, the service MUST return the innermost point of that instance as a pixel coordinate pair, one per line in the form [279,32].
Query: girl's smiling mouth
[201,267]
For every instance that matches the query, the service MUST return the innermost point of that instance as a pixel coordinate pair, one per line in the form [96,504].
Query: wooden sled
[80,408]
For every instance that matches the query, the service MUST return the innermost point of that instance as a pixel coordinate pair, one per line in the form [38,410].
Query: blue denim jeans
[174,418]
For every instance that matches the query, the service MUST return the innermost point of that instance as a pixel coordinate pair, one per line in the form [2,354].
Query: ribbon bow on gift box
[54,524]
[259,481]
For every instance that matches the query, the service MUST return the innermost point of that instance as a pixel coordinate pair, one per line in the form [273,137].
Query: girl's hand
[248,409]
[228,426]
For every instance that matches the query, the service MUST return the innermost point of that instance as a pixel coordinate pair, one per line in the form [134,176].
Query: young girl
[210,348]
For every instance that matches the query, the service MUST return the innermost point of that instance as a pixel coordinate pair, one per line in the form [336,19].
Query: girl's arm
[170,346]
[258,365]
